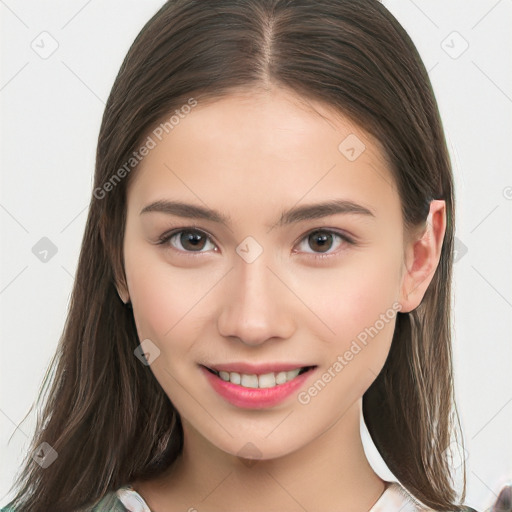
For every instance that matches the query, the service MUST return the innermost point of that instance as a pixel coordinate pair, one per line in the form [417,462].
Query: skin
[252,156]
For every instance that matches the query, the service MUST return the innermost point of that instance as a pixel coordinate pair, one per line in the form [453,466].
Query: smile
[266,380]
[252,391]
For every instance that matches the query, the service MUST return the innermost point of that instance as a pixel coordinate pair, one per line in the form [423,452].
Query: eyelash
[166,237]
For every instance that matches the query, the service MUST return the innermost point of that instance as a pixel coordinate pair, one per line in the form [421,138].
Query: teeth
[267,380]
[249,381]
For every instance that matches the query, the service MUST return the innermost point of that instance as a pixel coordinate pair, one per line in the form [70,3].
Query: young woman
[267,257]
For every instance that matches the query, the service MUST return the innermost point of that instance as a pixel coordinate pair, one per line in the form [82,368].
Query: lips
[250,396]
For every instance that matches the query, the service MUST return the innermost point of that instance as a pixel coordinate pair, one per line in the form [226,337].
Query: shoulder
[397,497]
[125,499]
[109,503]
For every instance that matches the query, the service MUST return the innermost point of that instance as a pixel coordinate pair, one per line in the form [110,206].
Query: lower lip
[255,398]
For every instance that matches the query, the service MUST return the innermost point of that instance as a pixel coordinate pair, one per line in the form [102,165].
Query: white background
[51,112]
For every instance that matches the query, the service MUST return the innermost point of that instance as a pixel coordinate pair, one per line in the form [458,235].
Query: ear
[422,256]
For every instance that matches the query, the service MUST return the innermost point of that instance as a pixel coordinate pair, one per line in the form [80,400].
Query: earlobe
[421,257]
[123,293]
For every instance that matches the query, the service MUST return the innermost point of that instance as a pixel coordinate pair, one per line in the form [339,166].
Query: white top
[394,499]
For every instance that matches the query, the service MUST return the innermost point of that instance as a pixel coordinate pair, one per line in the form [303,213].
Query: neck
[329,473]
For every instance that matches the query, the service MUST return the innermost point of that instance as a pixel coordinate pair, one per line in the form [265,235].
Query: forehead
[270,145]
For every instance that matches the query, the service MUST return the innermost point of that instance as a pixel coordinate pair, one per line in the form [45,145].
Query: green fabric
[110,503]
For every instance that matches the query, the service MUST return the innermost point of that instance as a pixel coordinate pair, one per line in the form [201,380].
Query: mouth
[261,390]
[301,370]
[261,380]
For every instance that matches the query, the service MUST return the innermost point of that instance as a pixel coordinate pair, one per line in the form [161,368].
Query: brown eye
[192,240]
[320,241]
[187,241]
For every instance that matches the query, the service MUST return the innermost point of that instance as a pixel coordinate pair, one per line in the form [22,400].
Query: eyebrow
[293,215]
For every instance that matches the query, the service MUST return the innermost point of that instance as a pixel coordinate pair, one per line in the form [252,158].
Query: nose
[257,305]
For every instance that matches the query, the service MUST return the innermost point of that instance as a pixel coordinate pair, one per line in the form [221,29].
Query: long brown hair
[105,414]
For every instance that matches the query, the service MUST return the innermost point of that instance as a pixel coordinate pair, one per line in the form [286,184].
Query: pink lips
[255,398]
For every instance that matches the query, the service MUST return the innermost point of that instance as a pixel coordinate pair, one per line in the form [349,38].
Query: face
[314,287]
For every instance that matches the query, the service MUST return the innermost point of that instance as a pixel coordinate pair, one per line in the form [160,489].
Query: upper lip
[258,369]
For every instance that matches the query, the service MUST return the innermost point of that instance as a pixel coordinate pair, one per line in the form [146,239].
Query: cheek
[166,299]
[158,295]
[358,302]
[353,296]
